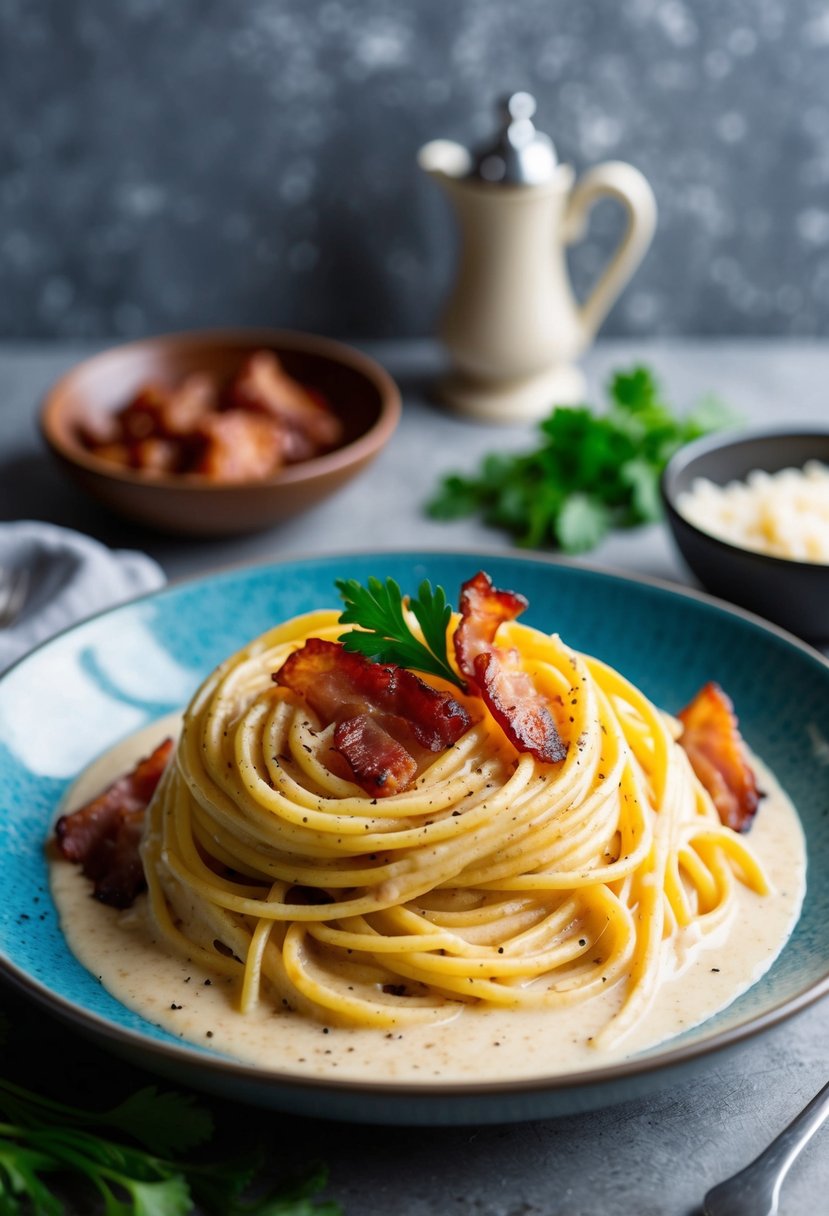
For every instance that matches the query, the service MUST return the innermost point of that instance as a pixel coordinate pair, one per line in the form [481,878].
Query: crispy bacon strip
[712,740]
[114,864]
[167,412]
[103,836]
[483,608]
[380,764]
[237,446]
[340,686]
[518,709]
[264,387]
[508,692]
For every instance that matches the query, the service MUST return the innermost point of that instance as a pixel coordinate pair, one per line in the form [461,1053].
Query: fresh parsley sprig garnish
[384,634]
[591,471]
[42,1140]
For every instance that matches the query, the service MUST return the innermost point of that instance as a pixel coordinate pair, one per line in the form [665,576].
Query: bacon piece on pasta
[714,745]
[339,684]
[517,708]
[103,836]
[483,608]
[380,764]
[508,692]
[340,687]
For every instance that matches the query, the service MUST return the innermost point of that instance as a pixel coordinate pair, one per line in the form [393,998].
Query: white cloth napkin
[70,576]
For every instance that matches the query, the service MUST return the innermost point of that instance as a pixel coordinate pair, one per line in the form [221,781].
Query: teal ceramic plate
[79,694]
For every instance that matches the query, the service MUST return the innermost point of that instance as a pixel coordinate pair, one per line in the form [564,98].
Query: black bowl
[794,594]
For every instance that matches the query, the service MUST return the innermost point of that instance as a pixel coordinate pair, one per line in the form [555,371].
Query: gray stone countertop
[653,1156]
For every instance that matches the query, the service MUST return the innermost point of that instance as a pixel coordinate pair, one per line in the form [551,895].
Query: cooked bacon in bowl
[219,432]
[244,430]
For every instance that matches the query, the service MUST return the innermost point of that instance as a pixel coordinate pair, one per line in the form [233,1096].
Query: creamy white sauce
[480,1045]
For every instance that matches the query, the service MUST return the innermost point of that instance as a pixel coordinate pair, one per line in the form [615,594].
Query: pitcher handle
[617,180]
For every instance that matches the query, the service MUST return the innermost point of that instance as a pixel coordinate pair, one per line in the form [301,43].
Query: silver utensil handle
[760,1182]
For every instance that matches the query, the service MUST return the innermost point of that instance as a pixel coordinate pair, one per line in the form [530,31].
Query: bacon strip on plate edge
[712,741]
[104,835]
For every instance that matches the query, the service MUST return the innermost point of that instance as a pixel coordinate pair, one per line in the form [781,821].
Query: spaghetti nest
[494,879]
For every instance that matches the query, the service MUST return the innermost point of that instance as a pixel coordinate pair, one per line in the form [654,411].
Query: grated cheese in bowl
[784,514]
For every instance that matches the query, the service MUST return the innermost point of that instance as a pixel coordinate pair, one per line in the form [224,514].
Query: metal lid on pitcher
[521,154]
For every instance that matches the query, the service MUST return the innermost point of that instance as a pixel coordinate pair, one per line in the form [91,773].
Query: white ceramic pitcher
[512,325]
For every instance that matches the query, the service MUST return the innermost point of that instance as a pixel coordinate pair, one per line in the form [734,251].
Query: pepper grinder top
[521,155]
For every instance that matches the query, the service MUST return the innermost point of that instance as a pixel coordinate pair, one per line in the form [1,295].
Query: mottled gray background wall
[172,163]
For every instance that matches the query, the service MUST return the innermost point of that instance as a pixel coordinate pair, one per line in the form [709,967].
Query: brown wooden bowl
[358,390]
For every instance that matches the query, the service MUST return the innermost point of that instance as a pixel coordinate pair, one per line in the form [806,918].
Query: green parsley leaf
[164,1122]
[20,1170]
[42,1139]
[384,635]
[591,471]
[642,477]
[581,523]
[636,390]
[458,497]
[166,1197]
[296,1199]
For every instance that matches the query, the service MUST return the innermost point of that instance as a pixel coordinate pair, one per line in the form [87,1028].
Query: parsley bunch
[40,1139]
[591,471]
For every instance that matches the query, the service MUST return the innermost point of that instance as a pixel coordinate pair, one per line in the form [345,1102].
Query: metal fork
[755,1191]
[14,587]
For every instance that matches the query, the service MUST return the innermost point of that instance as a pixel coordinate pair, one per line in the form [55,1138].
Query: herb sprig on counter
[384,634]
[590,472]
[41,1140]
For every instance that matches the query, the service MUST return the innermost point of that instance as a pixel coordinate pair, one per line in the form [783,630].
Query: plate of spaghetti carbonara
[419,836]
